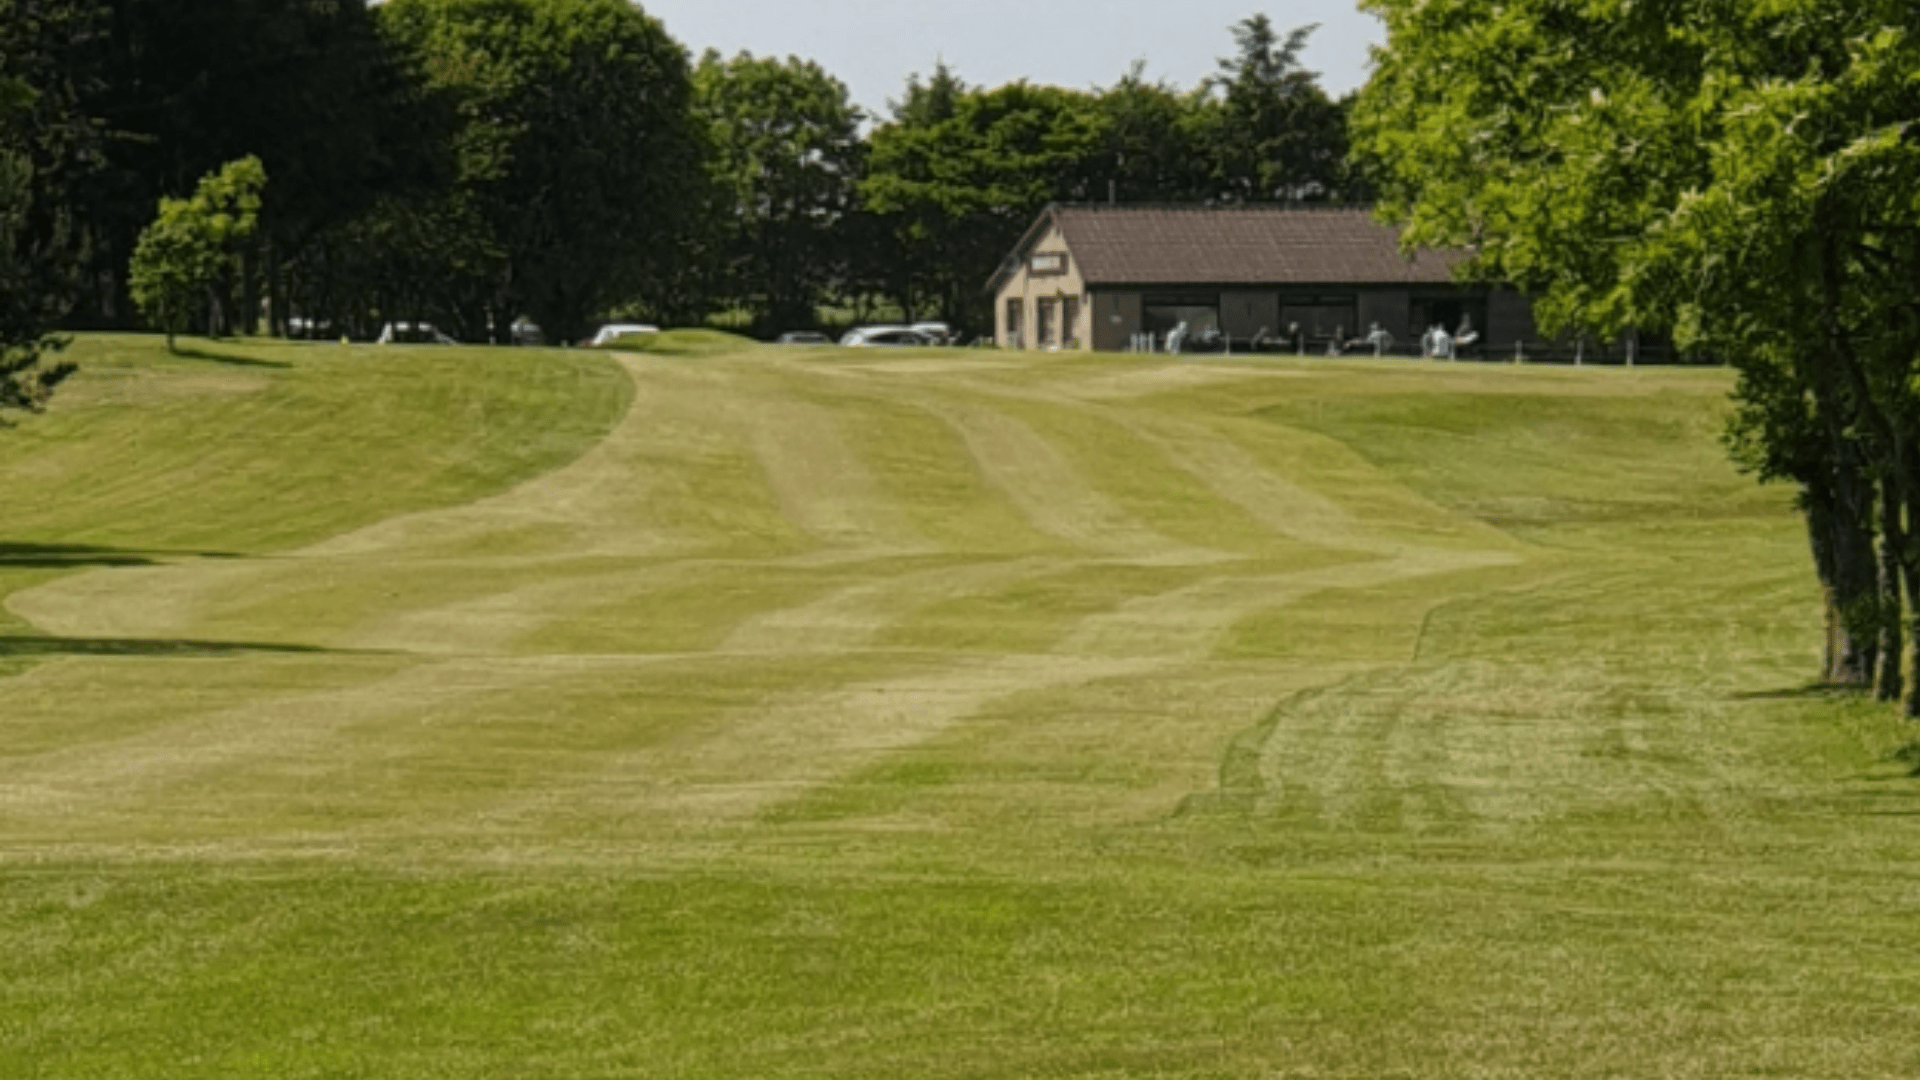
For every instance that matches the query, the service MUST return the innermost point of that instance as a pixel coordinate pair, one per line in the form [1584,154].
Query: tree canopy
[1276,134]
[574,141]
[1742,175]
[48,147]
[469,162]
[188,256]
[785,156]
[959,191]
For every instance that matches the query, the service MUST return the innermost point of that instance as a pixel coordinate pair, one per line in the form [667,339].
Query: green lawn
[729,711]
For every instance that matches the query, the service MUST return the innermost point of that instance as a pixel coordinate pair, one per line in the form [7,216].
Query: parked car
[413,333]
[937,332]
[803,337]
[612,331]
[892,337]
[299,326]
[527,332]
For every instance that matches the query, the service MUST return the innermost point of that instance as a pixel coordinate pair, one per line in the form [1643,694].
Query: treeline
[468,162]
[1744,174]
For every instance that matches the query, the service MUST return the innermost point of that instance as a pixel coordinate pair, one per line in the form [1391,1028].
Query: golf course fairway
[715,710]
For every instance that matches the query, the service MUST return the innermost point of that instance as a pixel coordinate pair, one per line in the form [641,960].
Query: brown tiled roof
[1243,245]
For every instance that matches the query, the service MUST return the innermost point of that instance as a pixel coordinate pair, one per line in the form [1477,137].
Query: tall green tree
[1158,141]
[1743,174]
[934,101]
[1275,134]
[575,143]
[957,193]
[785,154]
[47,144]
[177,89]
[27,312]
[187,259]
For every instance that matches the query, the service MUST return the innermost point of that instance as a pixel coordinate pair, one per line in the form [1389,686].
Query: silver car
[891,337]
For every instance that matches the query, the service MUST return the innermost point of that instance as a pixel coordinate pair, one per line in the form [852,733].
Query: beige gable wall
[1027,288]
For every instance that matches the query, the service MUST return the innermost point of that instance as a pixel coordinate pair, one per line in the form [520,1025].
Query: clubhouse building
[1283,278]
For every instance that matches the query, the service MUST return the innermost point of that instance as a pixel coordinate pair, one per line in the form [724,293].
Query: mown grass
[719,711]
[265,445]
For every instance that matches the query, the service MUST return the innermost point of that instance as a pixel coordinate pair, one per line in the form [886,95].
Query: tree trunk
[276,291]
[1890,686]
[1912,581]
[1889,430]
[1843,559]
[248,322]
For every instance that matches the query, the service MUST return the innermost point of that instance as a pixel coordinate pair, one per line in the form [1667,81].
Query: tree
[1275,135]
[575,144]
[932,102]
[175,90]
[186,259]
[27,312]
[959,192]
[1791,253]
[46,144]
[1740,174]
[785,154]
[1157,141]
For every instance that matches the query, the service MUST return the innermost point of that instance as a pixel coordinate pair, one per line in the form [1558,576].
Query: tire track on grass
[850,618]
[1045,487]
[792,743]
[124,774]
[753,757]
[822,486]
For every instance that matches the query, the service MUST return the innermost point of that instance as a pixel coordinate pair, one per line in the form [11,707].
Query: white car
[611,331]
[891,337]
[414,333]
[937,332]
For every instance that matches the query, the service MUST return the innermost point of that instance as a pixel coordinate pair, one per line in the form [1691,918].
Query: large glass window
[1463,317]
[1316,320]
[1046,313]
[1016,307]
[1191,318]
[1069,322]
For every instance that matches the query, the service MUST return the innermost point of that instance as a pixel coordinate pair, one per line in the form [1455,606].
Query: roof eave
[1011,264]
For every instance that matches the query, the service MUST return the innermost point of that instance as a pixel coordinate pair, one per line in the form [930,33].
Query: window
[1318,319]
[1195,315]
[1016,307]
[1045,310]
[1070,322]
[1460,315]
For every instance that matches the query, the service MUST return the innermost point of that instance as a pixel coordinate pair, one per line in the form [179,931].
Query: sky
[874,45]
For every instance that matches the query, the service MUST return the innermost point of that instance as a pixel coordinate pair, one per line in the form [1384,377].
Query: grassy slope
[943,715]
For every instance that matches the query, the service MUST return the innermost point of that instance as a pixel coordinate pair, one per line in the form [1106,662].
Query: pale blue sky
[873,45]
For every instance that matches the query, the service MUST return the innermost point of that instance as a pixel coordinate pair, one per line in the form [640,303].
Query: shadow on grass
[1810,692]
[189,352]
[1903,801]
[61,556]
[1908,755]
[21,645]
